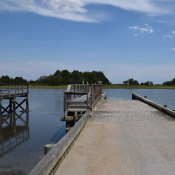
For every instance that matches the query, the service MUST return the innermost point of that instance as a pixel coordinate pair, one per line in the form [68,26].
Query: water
[159,96]
[44,125]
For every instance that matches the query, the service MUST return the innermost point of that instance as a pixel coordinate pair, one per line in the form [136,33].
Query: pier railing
[9,90]
[82,94]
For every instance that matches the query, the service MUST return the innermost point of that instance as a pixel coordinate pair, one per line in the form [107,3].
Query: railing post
[64,103]
[9,90]
[15,89]
[22,88]
[0,108]
[91,95]
[27,89]
[87,100]
[0,91]
[14,107]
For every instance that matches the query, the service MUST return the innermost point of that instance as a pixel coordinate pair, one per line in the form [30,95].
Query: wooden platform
[123,137]
[11,92]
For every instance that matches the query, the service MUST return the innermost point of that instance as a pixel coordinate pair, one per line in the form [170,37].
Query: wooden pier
[11,92]
[77,100]
[116,137]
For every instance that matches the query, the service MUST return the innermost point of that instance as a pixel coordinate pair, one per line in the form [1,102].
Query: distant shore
[112,86]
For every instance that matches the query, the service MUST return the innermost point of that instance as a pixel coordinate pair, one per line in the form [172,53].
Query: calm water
[26,147]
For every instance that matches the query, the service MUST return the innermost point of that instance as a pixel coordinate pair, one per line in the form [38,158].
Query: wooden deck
[11,92]
[8,91]
[77,100]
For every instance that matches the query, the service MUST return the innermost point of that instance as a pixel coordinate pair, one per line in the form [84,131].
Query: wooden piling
[0,108]
[14,107]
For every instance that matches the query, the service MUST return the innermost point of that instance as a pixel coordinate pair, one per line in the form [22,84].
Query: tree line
[131,81]
[63,77]
[169,83]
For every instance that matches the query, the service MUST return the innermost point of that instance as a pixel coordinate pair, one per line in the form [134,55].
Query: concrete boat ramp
[119,137]
[126,137]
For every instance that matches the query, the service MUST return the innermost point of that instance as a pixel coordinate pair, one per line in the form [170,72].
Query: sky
[123,38]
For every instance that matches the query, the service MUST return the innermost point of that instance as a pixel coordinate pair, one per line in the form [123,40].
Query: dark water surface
[24,141]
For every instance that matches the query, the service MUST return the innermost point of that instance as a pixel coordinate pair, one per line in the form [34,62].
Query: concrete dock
[123,137]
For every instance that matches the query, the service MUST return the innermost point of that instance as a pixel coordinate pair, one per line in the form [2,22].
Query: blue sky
[124,39]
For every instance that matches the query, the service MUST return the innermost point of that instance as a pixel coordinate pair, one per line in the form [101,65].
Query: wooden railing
[6,90]
[82,94]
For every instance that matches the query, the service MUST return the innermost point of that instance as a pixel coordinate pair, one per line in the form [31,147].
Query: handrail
[95,90]
[13,89]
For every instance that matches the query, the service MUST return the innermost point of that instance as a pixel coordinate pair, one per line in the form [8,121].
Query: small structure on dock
[77,100]
[11,92]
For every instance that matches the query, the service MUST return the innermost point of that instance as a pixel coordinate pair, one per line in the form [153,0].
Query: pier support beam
[10,105]
[14,107]
[27,103]
[0,108]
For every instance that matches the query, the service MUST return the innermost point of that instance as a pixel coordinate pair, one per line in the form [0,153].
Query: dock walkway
[123,137]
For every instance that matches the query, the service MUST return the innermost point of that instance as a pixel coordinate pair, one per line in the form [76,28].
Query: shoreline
[113,86]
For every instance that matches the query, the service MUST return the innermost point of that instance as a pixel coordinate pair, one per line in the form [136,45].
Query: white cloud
[142,29]
[173,49]
[173,32]
[76,9]
[64,9]
[134,27]
[154,7]
[168,36]
[136,34]
[148,29]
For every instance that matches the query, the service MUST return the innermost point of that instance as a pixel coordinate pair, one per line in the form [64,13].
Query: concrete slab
[123,137]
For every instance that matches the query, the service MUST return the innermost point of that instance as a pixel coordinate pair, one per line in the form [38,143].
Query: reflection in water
[13,131]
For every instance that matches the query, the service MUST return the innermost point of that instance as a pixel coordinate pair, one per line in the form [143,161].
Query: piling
[0,108]
[166,106]
[47,148]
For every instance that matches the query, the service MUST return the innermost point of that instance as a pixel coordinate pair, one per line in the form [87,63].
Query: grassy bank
[47,87]
[112,86]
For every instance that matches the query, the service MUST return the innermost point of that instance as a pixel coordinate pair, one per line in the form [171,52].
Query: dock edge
[153,104]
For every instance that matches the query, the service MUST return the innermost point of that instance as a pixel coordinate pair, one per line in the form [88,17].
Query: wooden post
[10,104]
[14,107]
[91,95]
[74,91]
[0,91]
[87,101]
[64,103]
[27,89]
[1,137]
[27,103]
[22,89]
[9,90]
[15,89]
[0,108]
